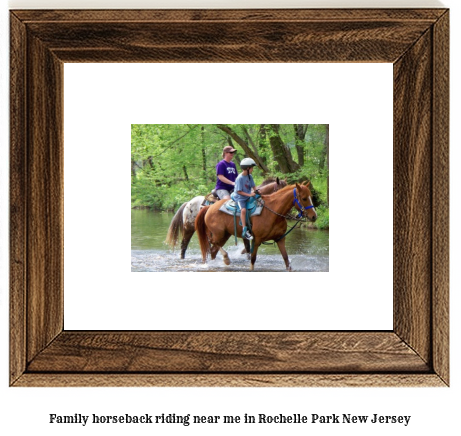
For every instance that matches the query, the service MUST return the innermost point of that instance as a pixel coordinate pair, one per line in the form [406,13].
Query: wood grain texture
[18,192]
[230,36]
[227,352]
[412,196]
[414,354]
[358,41]
[45,199]
[229,380]
[205,15]
[440,209]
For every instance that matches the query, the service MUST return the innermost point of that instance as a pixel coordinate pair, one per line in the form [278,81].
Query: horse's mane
[291,187]
[270,180]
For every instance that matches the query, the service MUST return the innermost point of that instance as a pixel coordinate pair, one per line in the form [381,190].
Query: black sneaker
[246,234]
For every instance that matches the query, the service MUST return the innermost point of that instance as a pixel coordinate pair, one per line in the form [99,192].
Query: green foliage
[172,163]
[323,220]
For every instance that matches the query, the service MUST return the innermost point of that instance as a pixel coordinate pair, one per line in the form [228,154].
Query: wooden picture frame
[414,353]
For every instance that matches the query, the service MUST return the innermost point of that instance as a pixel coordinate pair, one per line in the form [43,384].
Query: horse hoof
[226,260]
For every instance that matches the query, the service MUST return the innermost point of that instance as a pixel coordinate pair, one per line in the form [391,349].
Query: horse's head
[281,183]
[304,202]
[271,185]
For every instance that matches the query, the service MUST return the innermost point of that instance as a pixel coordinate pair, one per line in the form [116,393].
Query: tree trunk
[246,148]
[323,157]
[250,141]
[204,169]
[150,161]
[282,153]
[262,145]
[133,169]
[300,135]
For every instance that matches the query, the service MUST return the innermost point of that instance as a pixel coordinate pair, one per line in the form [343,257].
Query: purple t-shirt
[229,171]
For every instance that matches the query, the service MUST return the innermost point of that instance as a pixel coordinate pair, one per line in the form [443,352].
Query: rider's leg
[223,194]
[243,217]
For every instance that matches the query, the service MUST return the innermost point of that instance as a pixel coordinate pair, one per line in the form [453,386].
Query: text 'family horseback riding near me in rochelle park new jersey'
[261,418]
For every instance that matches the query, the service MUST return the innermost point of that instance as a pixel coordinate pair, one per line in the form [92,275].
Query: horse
[184,218]
[214,227]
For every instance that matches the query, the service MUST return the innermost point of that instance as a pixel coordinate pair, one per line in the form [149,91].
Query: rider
[244,189]
[226,172]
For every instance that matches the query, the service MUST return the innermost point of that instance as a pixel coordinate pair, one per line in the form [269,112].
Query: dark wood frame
[414,353]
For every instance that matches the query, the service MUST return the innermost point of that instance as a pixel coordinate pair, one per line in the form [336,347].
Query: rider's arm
[225,180]
[245,194]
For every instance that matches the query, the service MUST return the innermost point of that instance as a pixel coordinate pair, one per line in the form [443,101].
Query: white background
[101,103]
[432,410]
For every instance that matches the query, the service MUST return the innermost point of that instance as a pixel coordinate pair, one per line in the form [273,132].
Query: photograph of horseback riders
[229,197]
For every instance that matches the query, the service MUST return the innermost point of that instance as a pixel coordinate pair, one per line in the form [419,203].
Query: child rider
[244,189]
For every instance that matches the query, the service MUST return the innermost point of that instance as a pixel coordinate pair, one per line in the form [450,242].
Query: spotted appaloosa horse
[215,227]
[184,219]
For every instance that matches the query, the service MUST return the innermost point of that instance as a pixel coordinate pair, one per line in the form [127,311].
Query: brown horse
[214,227]
[184,218]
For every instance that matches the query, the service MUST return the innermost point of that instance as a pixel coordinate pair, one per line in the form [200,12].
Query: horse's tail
[200,228]
[177,223]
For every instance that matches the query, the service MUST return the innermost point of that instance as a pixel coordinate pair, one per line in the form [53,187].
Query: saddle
[231,207]
[210,199]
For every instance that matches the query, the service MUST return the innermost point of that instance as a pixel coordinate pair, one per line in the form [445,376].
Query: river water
[308,250]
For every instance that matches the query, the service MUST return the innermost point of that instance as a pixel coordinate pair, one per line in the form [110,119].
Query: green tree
[171,163]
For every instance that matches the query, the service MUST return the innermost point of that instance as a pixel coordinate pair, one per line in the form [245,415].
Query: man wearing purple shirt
[226,172]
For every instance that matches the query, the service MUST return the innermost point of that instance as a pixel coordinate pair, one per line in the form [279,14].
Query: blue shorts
[243,204]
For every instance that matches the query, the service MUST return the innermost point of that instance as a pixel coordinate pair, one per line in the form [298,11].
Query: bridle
[301,207]
[288,216]
[301,217]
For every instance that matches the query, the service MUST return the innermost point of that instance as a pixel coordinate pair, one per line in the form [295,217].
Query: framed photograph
[178,170]
[415,352]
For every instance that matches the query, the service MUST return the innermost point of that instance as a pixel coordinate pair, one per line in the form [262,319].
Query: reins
[288,216]
[281,237]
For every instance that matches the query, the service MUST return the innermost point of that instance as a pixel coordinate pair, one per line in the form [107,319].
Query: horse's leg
[190,212]
[214,251]
[187,236]
[222,242]
[218,233]
[253,255]
[247,249]
[283,251]
[217,246]
[225,256]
